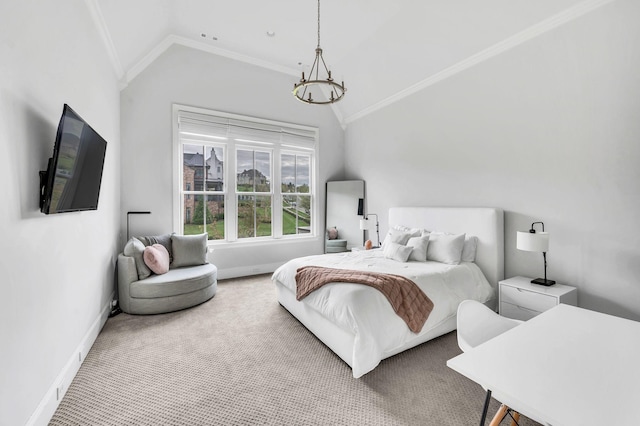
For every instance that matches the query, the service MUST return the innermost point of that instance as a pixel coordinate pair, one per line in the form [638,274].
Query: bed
[357,322]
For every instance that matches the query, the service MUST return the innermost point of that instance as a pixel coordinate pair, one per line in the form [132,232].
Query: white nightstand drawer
[537,302]
[520,299]
[517,312]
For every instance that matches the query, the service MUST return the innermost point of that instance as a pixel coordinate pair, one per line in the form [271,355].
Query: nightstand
[519,299]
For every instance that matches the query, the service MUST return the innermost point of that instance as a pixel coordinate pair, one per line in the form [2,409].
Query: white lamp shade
[364,224]
[533,242]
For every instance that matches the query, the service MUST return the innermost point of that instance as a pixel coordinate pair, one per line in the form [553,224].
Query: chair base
[501,414]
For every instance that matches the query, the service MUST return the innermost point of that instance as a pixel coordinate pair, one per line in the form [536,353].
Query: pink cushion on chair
[156,257]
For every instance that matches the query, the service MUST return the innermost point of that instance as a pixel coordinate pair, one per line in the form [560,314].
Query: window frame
[231,147]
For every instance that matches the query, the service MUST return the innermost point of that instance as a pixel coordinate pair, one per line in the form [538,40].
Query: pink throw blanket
[406,298]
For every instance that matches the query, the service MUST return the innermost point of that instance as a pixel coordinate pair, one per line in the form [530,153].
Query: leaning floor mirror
[345,199]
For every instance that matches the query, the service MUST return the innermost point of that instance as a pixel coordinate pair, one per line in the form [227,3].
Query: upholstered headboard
[485,223]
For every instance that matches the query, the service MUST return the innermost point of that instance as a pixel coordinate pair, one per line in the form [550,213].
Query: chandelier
[302,89]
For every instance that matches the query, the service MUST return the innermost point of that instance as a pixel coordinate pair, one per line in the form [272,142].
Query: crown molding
[126,76]
[488,53]
[147,59]
[170,40]
[101,26]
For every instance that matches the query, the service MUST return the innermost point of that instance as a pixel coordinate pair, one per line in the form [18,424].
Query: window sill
[266,242]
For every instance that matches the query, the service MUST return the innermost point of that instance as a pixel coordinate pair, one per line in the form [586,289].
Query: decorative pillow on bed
[189,250]
[396,236]
[396,251]
[419,248]
[415,232]
[134,248]
[156,257]
[445,248]
[469,248]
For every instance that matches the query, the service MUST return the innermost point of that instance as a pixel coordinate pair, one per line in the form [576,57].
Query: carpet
[242,359]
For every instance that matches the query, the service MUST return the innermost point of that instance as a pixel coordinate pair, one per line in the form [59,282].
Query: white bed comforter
[367,313]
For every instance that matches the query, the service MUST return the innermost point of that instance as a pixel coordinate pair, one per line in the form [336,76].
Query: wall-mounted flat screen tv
[74,173]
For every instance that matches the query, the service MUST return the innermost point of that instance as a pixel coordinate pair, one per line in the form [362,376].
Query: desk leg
[486,407]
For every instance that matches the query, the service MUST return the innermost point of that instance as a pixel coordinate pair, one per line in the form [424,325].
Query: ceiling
[383,50]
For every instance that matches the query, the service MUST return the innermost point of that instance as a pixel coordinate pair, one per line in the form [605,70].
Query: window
[296,199]
[203,192]
[253,189]
[241,178]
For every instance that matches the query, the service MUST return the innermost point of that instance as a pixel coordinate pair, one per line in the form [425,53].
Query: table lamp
[536,241]
[366,225]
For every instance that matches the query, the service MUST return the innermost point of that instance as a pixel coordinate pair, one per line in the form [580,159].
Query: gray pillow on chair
[164,240]
[189,250]
[134,248]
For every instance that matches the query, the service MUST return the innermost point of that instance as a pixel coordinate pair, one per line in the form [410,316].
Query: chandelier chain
[318,24]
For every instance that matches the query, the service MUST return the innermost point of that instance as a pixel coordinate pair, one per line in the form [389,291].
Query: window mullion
[231,205]
[276,191]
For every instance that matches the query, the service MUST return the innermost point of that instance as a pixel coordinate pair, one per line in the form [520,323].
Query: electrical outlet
[60,390]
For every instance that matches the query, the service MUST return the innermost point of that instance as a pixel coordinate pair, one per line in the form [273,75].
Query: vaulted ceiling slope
[383,50]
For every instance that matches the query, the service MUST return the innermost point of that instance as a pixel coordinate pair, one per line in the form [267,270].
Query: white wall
[548,131]
[191,77]
[56,272]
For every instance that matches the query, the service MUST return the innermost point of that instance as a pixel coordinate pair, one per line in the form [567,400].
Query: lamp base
[542,281]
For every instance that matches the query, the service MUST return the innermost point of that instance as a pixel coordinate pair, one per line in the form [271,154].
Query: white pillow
[415,232]
[469,249]
[396,251]
[396,236]
[445,248]
[419,245]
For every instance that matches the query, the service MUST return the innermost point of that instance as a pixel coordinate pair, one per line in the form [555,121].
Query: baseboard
[49,403]
[244,271]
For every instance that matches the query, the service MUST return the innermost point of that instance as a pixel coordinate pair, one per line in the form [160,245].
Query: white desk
[567,366]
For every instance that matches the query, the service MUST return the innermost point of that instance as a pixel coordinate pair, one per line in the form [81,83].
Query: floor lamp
[130,213]
[115,310]
[366,225]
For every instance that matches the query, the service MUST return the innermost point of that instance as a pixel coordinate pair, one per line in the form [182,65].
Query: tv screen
[74,173]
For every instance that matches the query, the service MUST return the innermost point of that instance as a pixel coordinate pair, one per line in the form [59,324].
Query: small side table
[519,299]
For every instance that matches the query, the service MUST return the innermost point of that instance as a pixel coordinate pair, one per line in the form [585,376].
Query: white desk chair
[477,324]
